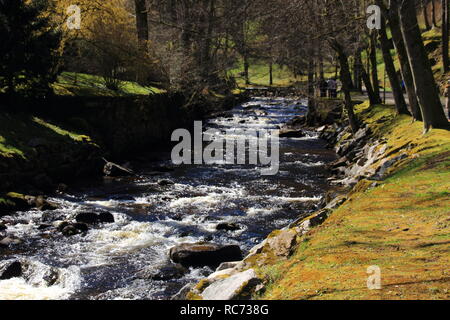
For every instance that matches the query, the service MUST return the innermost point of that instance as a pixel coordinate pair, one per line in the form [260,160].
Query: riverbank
[395,216]
[113,238]
[52,143]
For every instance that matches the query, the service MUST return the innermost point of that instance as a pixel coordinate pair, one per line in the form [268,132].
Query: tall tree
[426,89]
[28,51]
[445,34]
[391,14]
[424,4]
[397,91]
[374,67]
[141,22]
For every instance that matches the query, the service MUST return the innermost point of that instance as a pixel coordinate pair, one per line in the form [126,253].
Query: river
[152,217]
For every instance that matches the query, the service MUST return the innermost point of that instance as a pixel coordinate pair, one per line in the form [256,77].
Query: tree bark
[311,115]
[271,72]
[445,32]
[366,79]
[425,15]
[374,67]
[405,68]
[357,77]
[346,82]
[426,89]
[141,22]
[246,69]
[397,91]
[433,14]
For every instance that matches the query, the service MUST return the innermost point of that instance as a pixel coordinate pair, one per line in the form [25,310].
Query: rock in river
[291,133]
[203,254]
[163,273]
[10,269]
[228,226]
[94,217]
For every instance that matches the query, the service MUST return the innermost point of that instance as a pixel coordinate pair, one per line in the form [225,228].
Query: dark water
[151,218]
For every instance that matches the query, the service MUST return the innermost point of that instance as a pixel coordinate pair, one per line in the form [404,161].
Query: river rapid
[109,260]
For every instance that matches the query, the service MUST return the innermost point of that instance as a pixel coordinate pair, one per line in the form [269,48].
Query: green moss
[202,285]
[192,296]
[402,226]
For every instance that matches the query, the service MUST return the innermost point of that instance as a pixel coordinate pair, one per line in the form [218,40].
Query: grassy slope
[81,84]
[259,74]
[402,226]
[16,130]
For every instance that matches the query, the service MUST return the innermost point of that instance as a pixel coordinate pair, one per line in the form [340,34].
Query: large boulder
[10,269]
[236,287]
[70,229]
[33,272]
[19,202]
[201,254]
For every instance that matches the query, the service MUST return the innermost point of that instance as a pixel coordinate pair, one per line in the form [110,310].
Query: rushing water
[150,218]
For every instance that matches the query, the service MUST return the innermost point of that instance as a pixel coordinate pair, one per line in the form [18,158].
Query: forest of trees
[191,45]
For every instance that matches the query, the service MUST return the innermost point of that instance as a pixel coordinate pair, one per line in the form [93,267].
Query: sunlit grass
[80,84]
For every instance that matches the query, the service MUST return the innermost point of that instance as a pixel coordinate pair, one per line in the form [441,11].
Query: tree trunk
[425,15]
[433,14]
[321,67]
[311,115]
[397,91]
[426,89]
[141,22]
[246,69]
[445,31]
[394,23]
[271,72]
[366,79]
[357,77]
[346,82]
[374,67]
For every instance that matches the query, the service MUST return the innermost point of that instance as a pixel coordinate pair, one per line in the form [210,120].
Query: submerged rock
[10,269]
[94,217]
[165,182]
[228,226]
[164,273]
[71,229]
[5,242]
[198,255]
[33,272]
[291,133]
